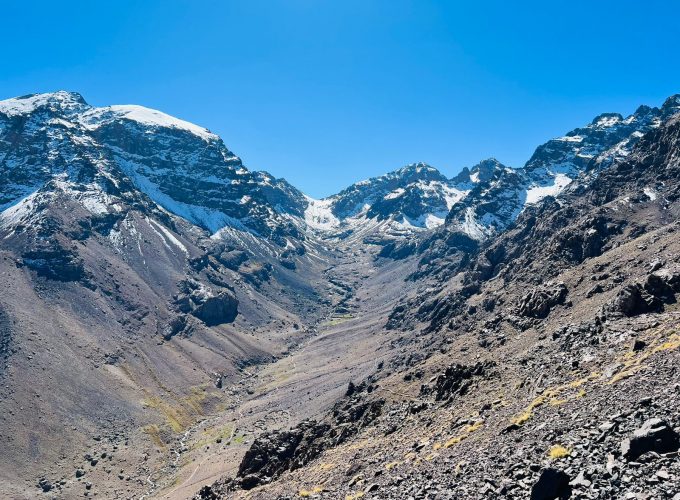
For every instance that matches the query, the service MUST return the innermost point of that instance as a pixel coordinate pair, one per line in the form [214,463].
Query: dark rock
[594,290]
[456,380]
[45,485]
[274,453]
[373,487]
[174,327]
[288,263]
[56,260]
[639,345]
[633,300]
[538,302]
[552,484]
[219,309]
[207,493]
[654,435]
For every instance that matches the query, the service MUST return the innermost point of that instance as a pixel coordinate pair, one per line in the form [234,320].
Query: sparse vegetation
[558,451]
[155,434]
[308,493]
[467,430]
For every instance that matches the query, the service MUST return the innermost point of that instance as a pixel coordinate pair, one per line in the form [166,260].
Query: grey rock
[654,435]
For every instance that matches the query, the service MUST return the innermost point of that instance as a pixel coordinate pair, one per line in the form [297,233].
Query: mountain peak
[671,105]
[417,168]
[607,119]
[485,170]
[60,100]
[144,116]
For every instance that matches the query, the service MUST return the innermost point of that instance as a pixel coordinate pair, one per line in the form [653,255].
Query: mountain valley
[175,325]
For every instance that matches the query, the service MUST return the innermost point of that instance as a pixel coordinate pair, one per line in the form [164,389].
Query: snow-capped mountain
[101,155]
[497,200]
[412,198]
[58,140]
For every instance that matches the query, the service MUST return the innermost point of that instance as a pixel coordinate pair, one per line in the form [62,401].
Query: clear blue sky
[326,93]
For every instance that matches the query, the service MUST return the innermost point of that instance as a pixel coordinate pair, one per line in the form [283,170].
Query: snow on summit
[24,105]
[146,116]
[92,117]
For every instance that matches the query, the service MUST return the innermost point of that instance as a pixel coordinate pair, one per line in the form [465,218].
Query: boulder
[648,296]
[551,485]
[633,300]
[217,309]
[455,380]
[45,485]
[654,435]
[273,453]
[200,301]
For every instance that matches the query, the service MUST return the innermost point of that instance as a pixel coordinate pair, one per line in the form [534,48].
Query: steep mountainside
[182,167]
[124,310]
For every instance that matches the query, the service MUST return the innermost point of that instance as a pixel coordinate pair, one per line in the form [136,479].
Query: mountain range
[174,324]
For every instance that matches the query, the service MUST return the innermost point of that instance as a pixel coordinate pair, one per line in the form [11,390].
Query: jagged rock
[456,380]
[275,452]
[55,261]
[213,492]
[654,435]
[658,288]
[639,345]
[660,285]
[175,326]
[594,290]
[288,263]
[201,302]
[538,302]
[551,485]
[633,300]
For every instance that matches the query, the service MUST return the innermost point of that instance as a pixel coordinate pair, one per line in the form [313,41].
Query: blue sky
[326,93]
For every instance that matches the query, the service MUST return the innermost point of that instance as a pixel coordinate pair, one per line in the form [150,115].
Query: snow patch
[537,193]
[318,214]
[571,138]
[171,237]
[395,194]
[471,227]
[27,104]
[18,211]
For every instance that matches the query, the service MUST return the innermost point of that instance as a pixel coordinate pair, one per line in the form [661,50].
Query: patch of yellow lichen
[154,433]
